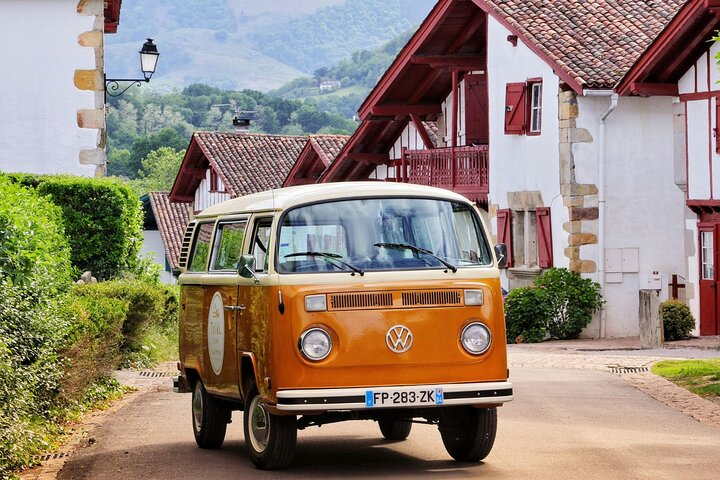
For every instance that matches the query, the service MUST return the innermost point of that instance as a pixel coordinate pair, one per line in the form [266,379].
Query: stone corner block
[91,39]
[89,80]
[95,156]
[88,118]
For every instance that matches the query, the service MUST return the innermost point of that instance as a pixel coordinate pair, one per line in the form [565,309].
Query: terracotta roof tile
[250,162]
[172,218]
[328,146]
[595,42]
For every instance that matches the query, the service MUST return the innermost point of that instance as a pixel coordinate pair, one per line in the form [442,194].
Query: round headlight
[315,344]
[476,338]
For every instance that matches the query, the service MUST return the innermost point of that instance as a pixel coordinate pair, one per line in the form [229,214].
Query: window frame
[217,238]
[193,251]
[534,86]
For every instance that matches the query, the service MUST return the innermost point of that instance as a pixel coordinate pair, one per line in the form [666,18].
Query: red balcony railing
[463,170]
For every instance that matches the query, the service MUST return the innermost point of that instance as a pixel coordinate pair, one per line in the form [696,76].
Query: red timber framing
[193,170]
[674,51]
[450,43]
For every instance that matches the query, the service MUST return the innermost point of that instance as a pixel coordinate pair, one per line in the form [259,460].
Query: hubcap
[259,427]
[197,407]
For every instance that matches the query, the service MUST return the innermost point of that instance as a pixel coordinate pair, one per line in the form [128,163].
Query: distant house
[163,230]
[53,116]
[329,85]
[317,155]
[566,125]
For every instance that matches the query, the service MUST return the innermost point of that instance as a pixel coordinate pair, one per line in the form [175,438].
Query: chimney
[241,124]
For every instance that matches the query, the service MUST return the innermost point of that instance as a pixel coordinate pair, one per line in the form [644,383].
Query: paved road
[564,424]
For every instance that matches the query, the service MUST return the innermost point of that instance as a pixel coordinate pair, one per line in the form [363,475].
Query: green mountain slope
[237,44]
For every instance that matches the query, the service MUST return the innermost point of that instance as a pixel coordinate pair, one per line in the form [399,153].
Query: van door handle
[235,308]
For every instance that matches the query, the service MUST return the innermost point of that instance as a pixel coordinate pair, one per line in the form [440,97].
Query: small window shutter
[504,233]
[515,94]
[717,124]
[544,237]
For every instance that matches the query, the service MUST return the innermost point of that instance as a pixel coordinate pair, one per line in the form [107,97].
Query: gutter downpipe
[601,191]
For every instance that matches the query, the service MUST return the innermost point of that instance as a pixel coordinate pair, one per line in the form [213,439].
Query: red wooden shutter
[515,94]
[504,233]
[544,237]
[717,124]
[476,110]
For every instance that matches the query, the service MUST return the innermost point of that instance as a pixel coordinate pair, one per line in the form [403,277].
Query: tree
[159,169]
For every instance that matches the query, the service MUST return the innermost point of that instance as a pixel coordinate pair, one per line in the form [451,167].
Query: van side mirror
[246,267]
[501,254]
[175,272]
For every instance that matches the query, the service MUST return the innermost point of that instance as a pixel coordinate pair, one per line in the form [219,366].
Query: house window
[523,107]
[535,106]
[527,234]
[706,240]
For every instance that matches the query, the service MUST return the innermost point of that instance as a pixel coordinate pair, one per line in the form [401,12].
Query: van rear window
[201,248]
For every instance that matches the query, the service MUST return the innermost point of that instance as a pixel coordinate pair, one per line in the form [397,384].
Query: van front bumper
[412,396]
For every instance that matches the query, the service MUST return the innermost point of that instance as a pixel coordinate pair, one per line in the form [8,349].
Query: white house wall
[204,198]
[154,248]
[38,99]
[644,208]
[521,162]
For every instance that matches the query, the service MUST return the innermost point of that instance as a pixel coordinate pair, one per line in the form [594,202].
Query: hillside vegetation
[239,44]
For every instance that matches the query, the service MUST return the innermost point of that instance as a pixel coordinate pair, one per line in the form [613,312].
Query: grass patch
[701,377]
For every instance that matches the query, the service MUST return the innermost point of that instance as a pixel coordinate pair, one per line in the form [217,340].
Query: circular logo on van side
[399,339]
[216,333]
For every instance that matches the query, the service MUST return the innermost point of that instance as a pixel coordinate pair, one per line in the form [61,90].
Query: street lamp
[148,62]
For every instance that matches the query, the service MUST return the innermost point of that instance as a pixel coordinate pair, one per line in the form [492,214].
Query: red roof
[318,154]
[112,15]
[246,162]
[674,51]
[172,218]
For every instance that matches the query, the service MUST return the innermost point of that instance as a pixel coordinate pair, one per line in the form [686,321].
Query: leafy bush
[573,301]
[147,304]
[527,313]
[677,320]
[102,219]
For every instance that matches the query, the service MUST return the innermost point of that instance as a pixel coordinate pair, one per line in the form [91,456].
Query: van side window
[260,243]
[228,246]
[201,249]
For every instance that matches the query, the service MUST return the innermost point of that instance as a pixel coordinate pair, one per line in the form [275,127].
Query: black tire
[468,433]
[395,429]
[210,418]
[270,439]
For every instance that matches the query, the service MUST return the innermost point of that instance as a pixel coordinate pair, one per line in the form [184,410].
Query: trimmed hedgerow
[527,313]
[102,217]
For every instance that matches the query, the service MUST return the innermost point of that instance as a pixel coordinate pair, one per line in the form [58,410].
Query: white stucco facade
[154,248]
[39,99]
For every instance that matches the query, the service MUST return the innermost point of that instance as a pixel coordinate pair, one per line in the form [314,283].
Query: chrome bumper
[486,393]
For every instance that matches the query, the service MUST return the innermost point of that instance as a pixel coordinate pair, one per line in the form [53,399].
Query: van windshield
[381,234]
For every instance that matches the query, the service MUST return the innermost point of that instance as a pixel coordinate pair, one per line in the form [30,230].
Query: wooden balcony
[463,170]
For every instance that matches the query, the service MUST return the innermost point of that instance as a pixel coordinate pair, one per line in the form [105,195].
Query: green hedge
[677,320]
[102,217]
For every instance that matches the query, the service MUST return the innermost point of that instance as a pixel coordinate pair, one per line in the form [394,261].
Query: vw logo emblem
[399,339]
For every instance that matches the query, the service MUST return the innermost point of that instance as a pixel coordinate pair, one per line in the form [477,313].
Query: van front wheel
[395,429]
[209,417]
[468,433]
[270,439]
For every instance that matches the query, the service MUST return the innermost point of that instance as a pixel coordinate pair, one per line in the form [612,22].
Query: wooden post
[651,329]
[455,110]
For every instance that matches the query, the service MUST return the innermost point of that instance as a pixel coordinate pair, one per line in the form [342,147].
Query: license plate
[397,398]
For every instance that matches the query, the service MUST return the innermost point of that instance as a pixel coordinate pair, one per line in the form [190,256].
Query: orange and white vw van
[324,303]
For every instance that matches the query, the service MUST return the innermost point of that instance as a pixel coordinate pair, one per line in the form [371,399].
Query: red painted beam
[402,110]
[456,61]
[654,89]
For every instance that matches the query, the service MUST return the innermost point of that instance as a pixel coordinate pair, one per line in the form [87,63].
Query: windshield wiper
[329,258]
[416,249]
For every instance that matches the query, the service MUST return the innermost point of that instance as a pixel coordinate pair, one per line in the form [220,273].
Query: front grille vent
[353,301]
[431,297]
[185,248]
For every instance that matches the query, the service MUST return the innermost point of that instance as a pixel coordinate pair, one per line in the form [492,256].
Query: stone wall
[93,80]
[581,200]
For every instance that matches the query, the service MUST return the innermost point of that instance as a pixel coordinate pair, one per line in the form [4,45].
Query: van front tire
[468,433]
[395,429]
[209,417]
[270,439]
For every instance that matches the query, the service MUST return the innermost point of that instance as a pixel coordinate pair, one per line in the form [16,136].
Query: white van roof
[282,198]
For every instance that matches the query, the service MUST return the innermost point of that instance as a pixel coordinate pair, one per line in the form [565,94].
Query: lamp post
[148,62]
